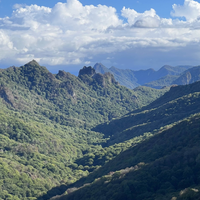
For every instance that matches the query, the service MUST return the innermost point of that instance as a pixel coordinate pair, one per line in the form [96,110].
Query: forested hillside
[174,105]
[165,166]
[87,137]
[45,126]
[162,161]
[85,100]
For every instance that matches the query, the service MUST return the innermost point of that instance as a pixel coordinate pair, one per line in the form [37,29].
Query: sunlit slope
[45,122]
[86,100]
[158,168]
[178,103]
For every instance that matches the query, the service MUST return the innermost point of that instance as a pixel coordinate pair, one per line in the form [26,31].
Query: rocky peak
[89,75]
[32,63]
[87,71]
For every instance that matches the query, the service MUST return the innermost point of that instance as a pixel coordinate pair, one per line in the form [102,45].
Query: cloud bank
[70,34]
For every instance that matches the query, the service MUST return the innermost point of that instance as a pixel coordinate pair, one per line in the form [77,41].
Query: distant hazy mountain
[189,76]
[100,68]
[132,79]
[125,77]
[162,82]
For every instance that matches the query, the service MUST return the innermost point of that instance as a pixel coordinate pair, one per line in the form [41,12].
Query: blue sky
[126,34]
[163,8]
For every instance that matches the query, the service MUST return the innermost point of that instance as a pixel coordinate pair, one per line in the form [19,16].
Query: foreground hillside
[159,168]
[87,137]
[45,126]
[164,161]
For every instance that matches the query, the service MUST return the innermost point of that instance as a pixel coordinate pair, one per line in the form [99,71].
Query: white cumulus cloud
[190,10]
[72,34]
[147,19]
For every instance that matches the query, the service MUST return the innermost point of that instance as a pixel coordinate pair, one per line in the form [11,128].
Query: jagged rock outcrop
[89,75]
[87,71]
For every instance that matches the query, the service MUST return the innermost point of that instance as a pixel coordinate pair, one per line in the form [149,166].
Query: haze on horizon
[68,35]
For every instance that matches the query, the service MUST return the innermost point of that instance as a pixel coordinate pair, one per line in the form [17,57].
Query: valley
[89,137]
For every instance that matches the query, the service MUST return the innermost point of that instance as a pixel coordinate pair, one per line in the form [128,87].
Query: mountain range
[88,137]
[165,76]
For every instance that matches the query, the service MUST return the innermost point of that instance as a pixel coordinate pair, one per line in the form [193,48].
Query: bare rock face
[7,95]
